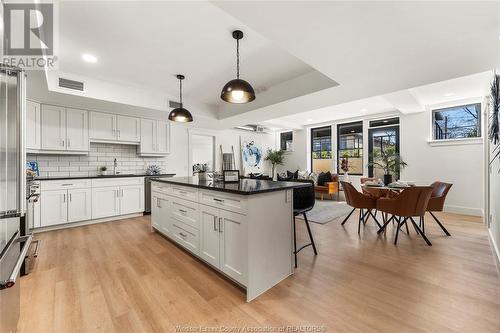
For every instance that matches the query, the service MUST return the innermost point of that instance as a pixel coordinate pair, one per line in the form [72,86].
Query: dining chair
[359,201]
[436,202]
[303,201]
[409,203]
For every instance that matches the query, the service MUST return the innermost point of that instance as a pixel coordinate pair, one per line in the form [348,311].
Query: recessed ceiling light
[89,58]
[449,94]
[364,110]
[309,119]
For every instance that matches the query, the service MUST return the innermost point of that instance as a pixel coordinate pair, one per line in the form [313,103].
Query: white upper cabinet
[33,126]
[53,120]
[77,130]
[155,137]
[114,128]
[102,126]
[128,129]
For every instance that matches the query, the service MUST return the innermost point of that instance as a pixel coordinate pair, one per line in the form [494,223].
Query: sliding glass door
[321,149]
[383,139]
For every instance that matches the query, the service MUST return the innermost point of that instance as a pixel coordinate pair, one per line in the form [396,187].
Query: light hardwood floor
[120,277]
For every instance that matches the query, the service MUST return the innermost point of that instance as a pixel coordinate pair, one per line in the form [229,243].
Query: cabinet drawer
[231,202]
[185,211]
[161,187]
[185,192]
[49,185]
[186,236]
[118,181]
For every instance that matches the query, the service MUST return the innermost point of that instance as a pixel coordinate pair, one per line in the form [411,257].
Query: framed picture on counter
[231,176]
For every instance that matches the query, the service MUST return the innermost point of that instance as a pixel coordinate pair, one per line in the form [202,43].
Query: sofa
[324,182]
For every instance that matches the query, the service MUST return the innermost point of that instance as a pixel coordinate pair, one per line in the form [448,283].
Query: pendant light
[180,114]
[237,91]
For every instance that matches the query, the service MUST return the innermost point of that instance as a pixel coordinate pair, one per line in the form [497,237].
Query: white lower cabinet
[79,205]
[54,207]
[63,206]
[160,213]
[131,199]
[105,202]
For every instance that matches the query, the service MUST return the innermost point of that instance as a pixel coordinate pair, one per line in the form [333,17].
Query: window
[384,122]
[321,149]
[457,122]
[286,141]
[350,147]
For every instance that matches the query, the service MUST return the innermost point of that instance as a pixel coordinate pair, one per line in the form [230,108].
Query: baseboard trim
[82,223]
[464,210]
[496,252]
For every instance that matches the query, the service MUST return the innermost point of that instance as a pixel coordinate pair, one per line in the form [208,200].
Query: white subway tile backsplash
[100,154]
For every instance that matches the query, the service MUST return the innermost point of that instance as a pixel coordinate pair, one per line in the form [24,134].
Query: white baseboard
[464,210]
[81,223]
[495,249]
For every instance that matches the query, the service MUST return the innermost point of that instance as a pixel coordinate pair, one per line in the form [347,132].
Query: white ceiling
[463,88]
[144,44]
[299,55]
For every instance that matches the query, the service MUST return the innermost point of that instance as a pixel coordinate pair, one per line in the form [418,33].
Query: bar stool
[303,201]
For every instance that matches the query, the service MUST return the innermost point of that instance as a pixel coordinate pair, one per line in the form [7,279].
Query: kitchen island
[243,229]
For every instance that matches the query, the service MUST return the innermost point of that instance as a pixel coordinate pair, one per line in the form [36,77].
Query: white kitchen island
[243,230]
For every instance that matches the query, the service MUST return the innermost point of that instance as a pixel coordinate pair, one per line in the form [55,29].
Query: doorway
[383,139]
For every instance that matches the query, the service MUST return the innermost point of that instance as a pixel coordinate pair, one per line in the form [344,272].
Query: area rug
[327,211]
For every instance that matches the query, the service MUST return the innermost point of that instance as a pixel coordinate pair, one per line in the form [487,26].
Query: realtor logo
[29,33]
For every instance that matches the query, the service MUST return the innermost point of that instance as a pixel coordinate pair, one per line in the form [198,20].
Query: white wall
[461,165]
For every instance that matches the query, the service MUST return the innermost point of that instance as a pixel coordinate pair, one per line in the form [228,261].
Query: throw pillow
[324,177]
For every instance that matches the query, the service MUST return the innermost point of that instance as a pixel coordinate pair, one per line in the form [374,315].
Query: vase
[346,176]
[387,179]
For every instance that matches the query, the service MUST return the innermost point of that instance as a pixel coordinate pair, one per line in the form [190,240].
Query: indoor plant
[201,170]
[103,170]
[276,157]
[388,160]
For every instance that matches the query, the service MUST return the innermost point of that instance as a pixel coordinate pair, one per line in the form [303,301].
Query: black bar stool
[303,201]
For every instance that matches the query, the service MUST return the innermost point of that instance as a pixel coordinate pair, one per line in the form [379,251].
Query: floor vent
[71,84]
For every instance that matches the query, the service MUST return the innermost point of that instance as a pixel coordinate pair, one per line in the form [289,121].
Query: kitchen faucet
[115,164]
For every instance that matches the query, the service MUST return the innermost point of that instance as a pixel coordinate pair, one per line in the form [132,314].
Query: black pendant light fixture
[237,91]
[180,114]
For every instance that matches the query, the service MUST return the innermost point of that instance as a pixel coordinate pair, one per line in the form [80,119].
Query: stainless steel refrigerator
[13,247]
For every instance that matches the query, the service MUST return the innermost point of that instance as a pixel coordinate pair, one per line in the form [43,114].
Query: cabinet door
[77,130]
[209,240]
[53,120]
[128,129]
[131,199]
[102,126]
[105,202]
[160,214]
[163,137]
[148,136]
[54,207]
[233,245]
[79,205]
[33,125]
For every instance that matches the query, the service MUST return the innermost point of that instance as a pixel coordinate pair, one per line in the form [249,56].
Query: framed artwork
[231,176]
[252,156]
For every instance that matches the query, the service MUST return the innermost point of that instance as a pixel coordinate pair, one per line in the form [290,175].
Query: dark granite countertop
[244,186]
[106,176]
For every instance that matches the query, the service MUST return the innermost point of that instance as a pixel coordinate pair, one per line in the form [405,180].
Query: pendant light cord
[180,91]
[237,58]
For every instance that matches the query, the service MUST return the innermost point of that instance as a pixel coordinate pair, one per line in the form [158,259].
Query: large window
[457,122]
[321,149]
[286,141]
[350,147]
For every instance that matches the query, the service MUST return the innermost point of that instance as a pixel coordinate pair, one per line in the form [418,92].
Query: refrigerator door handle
[11,281]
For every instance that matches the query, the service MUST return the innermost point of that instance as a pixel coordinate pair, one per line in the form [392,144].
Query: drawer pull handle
[215,223]
[182,192]
[220,224]
[182,211]
[66,184]
[218,200]
[182,234]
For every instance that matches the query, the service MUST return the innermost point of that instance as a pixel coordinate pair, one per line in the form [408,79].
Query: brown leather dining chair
[436,202]
[359,201]
[409,203]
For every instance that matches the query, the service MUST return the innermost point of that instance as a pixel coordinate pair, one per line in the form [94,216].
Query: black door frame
[311,141]
[370,144]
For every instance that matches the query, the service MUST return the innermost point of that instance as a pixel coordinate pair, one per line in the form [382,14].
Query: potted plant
[344,164]
[103,170]
[276,157]
[201,170]
[388,160]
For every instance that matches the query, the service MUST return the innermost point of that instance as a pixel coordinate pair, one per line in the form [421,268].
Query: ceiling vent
[71,84]
[254,128]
